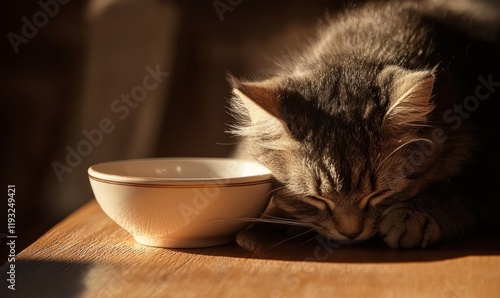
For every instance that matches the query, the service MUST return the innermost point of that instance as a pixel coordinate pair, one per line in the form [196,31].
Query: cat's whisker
[281,218]
[275,190]
[263,220]
[400,147]
[310,239]
[289,238]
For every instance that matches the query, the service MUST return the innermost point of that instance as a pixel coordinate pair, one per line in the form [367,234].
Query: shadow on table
[43,279]
[262,243]
[47,278]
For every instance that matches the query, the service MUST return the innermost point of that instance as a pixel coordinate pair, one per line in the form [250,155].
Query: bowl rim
[264,176]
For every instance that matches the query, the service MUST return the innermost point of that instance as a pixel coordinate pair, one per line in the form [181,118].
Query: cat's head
[345,143]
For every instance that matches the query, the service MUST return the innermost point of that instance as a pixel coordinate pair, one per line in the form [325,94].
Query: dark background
[66,76]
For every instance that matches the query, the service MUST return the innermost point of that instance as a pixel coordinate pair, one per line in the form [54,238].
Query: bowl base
[183,243]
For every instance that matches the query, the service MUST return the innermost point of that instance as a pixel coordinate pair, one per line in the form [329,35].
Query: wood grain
[88,255]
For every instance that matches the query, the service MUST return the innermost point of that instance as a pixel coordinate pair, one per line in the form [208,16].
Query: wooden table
[88,255]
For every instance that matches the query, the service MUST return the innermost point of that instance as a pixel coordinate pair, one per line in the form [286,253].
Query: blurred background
[83,82]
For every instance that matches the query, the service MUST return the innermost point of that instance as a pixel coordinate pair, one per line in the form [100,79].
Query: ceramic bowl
[181,202]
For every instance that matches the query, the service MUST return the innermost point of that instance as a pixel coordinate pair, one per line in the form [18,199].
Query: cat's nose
[352,235]
[350,226]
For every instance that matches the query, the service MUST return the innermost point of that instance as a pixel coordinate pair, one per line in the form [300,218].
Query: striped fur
[355,128]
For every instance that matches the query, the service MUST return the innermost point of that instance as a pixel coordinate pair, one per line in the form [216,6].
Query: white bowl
[181,202]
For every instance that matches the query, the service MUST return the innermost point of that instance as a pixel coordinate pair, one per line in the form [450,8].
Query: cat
[383,126]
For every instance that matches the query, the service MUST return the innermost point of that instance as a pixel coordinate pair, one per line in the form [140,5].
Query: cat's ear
[409,95]
[261,99]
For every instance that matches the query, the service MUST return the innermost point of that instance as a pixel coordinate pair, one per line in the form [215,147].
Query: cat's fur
[383,126]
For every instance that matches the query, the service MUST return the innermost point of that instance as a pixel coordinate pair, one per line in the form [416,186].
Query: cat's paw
[406,228]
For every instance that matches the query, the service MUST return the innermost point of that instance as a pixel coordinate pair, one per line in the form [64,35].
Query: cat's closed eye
[321,201]
[374,198]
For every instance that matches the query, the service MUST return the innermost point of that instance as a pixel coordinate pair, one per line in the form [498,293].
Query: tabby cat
[383,126]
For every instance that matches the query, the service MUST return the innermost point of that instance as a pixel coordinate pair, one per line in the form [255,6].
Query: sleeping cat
[384,126]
